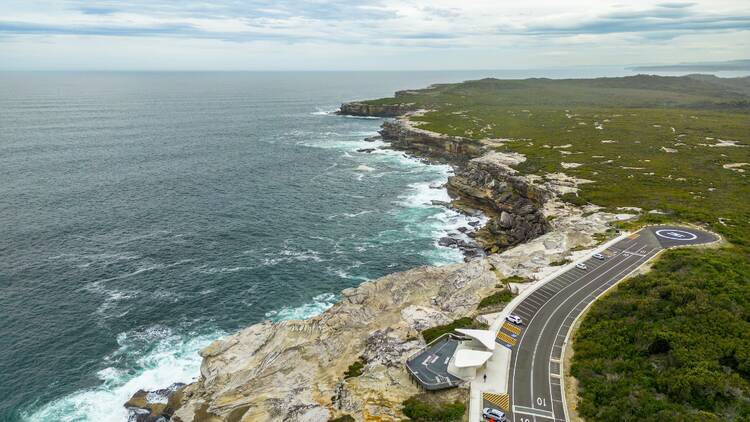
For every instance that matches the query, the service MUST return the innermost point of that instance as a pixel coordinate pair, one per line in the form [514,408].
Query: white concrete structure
[484,337]
[471,358]
[472,354]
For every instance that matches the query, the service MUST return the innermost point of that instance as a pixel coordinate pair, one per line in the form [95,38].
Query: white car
[515,319]
[493,414]
[598,256]
[582,266]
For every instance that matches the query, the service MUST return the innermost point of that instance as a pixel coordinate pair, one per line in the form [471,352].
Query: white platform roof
[486,337]
[466,358]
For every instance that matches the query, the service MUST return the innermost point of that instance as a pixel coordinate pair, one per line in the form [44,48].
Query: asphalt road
[548,313]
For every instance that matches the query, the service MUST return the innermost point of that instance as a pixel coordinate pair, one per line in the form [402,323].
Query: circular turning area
[674,234]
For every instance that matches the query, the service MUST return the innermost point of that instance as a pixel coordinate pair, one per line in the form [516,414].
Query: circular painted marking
[673,234]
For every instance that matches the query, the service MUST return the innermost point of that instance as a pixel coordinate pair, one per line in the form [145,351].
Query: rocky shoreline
[295,370]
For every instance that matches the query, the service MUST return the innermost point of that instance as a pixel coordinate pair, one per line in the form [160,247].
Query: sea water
[144,215]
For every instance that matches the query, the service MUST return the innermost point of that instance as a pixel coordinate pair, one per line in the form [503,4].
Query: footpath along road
[534,392]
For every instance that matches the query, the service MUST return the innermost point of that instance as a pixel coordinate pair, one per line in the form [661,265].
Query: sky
[367,35]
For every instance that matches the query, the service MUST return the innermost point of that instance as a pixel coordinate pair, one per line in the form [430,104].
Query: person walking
[485,377]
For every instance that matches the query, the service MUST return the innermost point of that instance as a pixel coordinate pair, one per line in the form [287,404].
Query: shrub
[355,369]
[431,334]
[514,279]
[503,296]
[422,411]
[560,262]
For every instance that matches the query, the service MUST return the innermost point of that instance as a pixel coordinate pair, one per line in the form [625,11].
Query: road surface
[534,381]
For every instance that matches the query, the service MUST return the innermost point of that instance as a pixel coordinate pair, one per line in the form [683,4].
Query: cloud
[670,19]
[486,29]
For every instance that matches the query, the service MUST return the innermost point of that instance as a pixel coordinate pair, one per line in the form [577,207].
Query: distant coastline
[730,66]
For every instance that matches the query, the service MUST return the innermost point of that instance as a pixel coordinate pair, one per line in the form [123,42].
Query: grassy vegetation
[514,279]
[560,262]
[355,369]
[431,334]
[422,409]
[673,344]
[503,296]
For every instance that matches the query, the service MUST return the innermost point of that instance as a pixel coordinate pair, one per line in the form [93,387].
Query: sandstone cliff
[483,180]
[362,109]
[294,370]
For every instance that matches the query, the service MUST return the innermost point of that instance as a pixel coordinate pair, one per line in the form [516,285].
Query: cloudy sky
[369,34]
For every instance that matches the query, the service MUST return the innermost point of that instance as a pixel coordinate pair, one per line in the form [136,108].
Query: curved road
[548,313]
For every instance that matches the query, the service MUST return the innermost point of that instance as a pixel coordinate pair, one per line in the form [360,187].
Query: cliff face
[483,180]
[406,137]
[374,110]
[513,204]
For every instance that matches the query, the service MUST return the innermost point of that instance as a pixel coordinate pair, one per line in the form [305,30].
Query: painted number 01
[524,419]
[541,401]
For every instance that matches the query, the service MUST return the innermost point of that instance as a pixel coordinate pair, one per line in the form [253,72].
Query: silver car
[582,266]
[493,414]
[515,319]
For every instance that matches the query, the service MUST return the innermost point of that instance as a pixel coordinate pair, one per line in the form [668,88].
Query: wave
[428,219]
[349,214]
[361,117]
[319,111]
[154,358]
[150,359]
[320,304]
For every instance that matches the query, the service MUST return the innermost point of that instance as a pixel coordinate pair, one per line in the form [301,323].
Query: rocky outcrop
[294,370]
[484,180]
[512,203]
[363,109]
[405,136]
[156,405]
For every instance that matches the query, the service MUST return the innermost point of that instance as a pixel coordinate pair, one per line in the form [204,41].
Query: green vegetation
[503,296]
[673,344]
[345,418]
[355,369]
[419,408]
[560,262]
[514,279]
[431,334]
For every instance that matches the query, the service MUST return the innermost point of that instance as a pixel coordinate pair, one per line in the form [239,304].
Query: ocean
[144,215]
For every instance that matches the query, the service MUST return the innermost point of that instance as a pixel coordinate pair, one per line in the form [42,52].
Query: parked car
[515,319]
[598,256]
[490,414]
[582,266]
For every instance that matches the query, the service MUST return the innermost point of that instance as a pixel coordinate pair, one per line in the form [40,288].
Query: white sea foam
[319,305]
[324,112]
[161,357]
[425,219]
[168,358]
[363,167]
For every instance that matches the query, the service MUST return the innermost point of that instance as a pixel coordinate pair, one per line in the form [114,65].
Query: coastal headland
[535,169]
